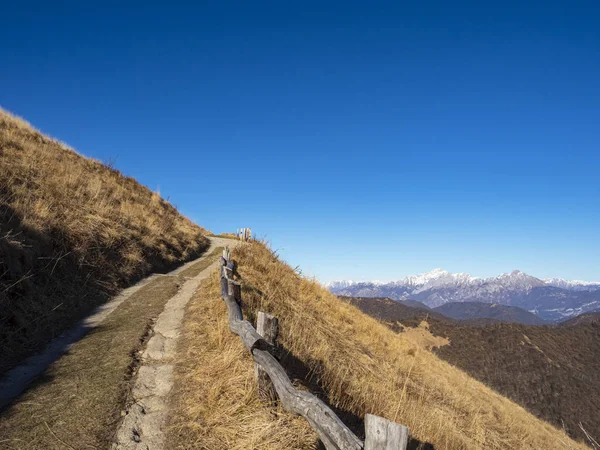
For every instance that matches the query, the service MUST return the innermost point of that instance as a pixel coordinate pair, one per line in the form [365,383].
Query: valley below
[551,370]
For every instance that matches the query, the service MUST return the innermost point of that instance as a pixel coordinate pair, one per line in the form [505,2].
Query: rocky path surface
[72,394]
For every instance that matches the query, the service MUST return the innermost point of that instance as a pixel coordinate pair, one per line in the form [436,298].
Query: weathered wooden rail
[273,382]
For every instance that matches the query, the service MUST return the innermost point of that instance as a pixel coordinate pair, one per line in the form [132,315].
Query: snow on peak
[575,285]
[341,284]
[518,280]
[440,278]
[436,278]
[551,299]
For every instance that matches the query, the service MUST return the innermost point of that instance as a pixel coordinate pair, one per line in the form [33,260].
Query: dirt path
[143,427]
[76,399]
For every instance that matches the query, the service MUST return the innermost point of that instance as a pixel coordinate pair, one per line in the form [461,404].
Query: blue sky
[365,140]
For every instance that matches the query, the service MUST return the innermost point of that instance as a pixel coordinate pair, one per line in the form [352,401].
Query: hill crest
[72,232]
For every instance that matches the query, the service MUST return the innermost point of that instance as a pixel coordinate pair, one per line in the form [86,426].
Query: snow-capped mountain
[574,285]
[551,299]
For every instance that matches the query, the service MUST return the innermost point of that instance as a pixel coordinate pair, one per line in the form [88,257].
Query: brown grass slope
[364,367]
[553,371]
[72,232]
[215,401]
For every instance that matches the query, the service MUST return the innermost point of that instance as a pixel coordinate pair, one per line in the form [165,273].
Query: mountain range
[552,299]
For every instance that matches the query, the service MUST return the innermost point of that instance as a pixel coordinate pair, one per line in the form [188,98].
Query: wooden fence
[273,382]
[244,234]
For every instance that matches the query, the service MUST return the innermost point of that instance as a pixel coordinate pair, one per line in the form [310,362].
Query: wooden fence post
[228,271]
[273,382]
[383,434]
[235,290]
[268,327]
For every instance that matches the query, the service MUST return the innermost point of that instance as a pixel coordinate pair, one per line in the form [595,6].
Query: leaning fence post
[383,434]
[268,327]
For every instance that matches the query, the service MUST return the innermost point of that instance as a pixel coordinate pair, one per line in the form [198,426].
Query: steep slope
[72,232]
[478,310]
[363,366]
[553,371]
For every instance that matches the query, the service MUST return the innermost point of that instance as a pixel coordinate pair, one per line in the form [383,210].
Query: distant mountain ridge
[494,311]
[552,299]
[575,285]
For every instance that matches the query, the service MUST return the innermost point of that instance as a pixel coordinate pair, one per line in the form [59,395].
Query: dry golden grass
[421,337]
[365,367]
[72,231]
[229,235]
[216,405]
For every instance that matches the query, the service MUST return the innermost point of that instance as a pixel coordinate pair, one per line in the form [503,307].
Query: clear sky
[365,140]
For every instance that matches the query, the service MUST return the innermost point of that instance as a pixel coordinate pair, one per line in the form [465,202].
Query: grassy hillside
[351,360]
[215,397]
[553,371]
[72,232]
